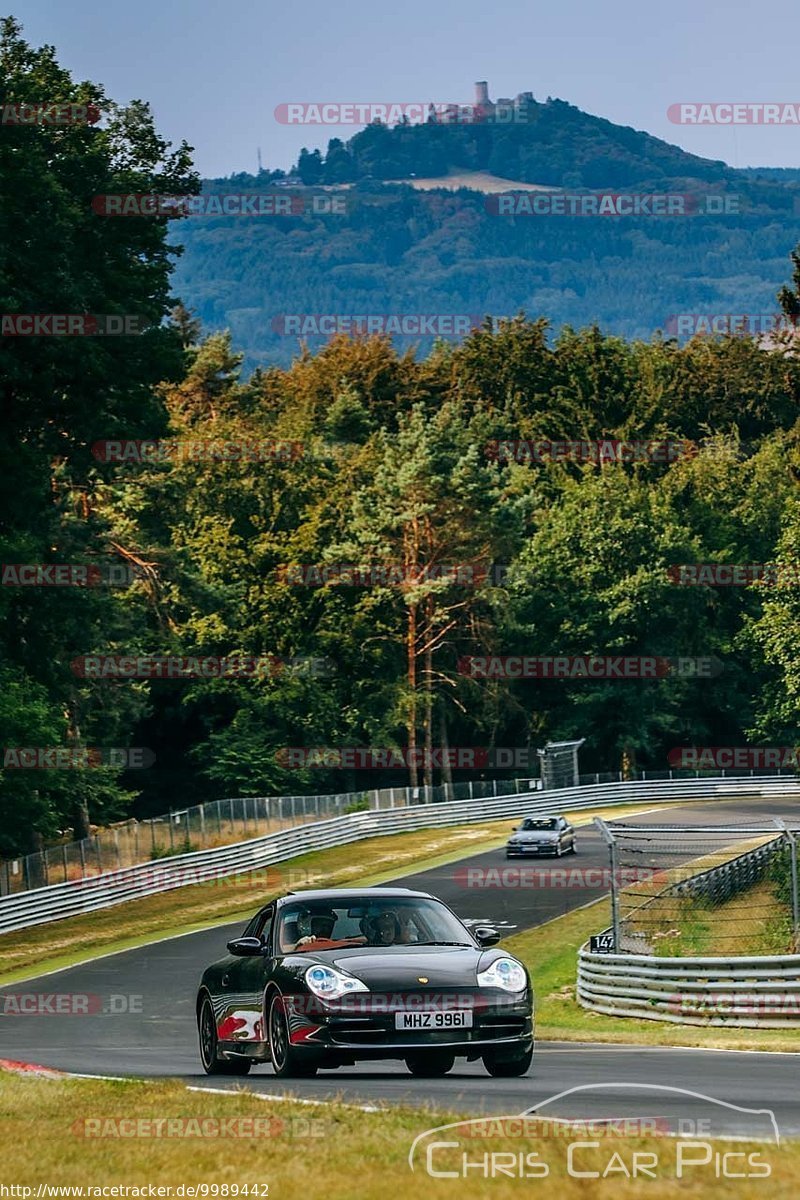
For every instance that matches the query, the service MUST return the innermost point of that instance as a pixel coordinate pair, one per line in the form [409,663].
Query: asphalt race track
[145,1025]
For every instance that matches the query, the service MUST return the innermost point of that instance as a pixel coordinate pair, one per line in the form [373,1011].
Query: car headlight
[504,973]
[329,984]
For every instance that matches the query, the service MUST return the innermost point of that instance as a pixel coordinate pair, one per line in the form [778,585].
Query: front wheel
[508,1068]
[212,1065]
[431,1065]
[286,1063]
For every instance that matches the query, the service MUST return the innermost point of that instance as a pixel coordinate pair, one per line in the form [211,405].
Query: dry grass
[26,952]
[752,922]
[335,1151]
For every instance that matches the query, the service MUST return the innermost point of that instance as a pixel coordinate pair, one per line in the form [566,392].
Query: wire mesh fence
[218,823]
[703,890]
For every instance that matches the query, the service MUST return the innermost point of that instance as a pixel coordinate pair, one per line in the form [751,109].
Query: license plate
[457,1019]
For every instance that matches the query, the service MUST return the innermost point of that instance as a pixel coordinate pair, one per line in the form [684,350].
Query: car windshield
[367,921]
[539,823]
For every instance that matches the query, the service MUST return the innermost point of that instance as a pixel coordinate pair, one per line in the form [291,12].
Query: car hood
[393,967]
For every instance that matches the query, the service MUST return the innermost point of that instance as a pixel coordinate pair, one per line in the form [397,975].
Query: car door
[240,1018]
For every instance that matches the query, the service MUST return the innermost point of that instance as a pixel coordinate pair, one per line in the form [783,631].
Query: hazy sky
[214,72]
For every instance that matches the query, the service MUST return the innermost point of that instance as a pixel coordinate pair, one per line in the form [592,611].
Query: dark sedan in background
[330,977]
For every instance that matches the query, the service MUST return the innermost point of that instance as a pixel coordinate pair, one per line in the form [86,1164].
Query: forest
[361,453]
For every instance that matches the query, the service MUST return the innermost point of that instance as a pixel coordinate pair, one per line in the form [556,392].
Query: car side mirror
[486,935]
[245,947]
[514,828]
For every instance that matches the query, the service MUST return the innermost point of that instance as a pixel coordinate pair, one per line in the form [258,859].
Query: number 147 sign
[601,943]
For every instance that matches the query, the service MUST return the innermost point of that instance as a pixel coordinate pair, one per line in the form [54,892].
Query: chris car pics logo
[619,1131]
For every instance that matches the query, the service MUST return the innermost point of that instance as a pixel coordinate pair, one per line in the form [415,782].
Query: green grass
[551,953]
[333,1150]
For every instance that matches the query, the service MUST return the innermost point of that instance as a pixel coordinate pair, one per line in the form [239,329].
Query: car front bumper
[368,1029]
[533,850]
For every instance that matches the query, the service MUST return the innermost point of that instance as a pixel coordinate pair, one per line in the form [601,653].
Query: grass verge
[551,953]
[41,948]
[95,1133]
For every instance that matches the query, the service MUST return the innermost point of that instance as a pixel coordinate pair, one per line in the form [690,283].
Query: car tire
[572,849]
[207,1032]
[286,1063]
[430,1064]
[507,1068]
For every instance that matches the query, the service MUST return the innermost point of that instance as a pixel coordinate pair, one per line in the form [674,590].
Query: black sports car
[327,978]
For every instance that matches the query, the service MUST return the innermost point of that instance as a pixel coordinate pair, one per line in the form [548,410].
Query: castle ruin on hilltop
[500,111]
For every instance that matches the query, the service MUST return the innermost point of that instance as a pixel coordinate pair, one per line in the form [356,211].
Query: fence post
[171,832]
[64,856]
[81,844]
[793,864]
[203,824]
[608,838]
[795,899]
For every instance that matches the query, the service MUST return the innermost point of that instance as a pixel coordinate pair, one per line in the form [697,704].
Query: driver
[315,929]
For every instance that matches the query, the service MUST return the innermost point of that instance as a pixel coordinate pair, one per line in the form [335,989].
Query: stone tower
[482,94]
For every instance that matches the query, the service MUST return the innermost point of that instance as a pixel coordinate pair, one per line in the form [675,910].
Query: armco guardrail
[714,884]
[751,992]
[114,887]
[722,883]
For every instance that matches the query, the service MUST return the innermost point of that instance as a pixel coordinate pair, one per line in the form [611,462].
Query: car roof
[333,894]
